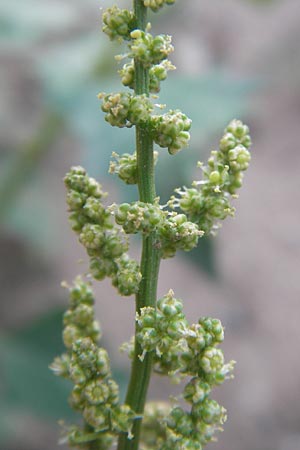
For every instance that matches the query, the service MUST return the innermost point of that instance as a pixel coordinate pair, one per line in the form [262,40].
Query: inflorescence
[184,352]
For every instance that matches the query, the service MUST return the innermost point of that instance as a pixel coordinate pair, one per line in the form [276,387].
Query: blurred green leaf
[28,383]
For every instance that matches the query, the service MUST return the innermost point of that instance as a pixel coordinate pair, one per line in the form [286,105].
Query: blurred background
[235,58]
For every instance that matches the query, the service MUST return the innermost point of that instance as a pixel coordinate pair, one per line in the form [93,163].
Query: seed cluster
[95,394]
[208,201]
[181,350]
[104,242]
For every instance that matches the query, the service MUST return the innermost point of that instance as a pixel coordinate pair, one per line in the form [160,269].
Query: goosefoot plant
[164,341]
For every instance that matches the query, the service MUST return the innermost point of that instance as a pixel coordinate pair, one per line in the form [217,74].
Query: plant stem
[141,370]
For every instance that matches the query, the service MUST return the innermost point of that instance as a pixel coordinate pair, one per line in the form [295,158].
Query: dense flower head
[157,73]
[148,49]
[139,217]
[128,276]
[155,5]
[95,393]
[118,23]
[170,130]
[178,233]
[208,201]
[184,350]
[125,110]
[104,241]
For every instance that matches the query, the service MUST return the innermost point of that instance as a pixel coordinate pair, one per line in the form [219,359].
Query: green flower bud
[94,209]
[70,334]
[127,74]
[149,49]
[210,412]
[178,233]
[139,216]
[102,363]
[212,360]
[113,246]
[101,268]
[122,419]
[80,293]
[75,200]
[158,73]
[113,398]
[96,417]
[77,374]
[125,167]
[169,305]
[128,276]
[196,338]
[180,421]
[91,236]
[196,391]
[171,130]
[116,106]
[76,399]
[214,327]
[239,158]
[140,109]
[118,23]
[227,142]
[77,221]
[60,365]
[155,5]
[85,354]
[96,392]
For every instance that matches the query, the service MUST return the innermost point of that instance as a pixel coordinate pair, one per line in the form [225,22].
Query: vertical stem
[141,370]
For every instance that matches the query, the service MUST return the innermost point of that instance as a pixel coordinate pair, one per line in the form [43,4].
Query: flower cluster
[155,5]
[139,217]
[181,350]
[148,49]
[104,242]
[208,201]
[124,110]
[178,233]
[95,394]
[118,23]
[170,130]
[157,73]
[125,166]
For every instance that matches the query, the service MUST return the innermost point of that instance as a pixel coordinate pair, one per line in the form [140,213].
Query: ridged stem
[150,259]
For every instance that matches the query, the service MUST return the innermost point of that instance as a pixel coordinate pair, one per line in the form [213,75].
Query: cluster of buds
[118,23]
[157,73]
[125,110]
[148,49]
[181,350]
[139,217]
[125,166]
[95,394]
[104,242]
[155,5]
[170,130]
[208,201]
[178,233]
[173,231]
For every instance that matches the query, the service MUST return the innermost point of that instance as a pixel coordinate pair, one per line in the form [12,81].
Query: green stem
[141,370]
